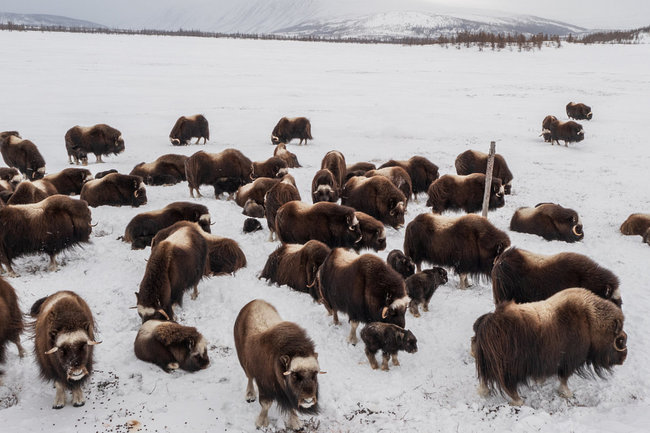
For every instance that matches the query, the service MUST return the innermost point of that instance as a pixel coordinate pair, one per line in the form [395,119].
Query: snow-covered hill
[45,20]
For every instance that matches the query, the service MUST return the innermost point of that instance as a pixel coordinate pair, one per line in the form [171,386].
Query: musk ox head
[396,213]
[497,192]
[204,222]
[566,221]
[150,312]
[300,380]
[354,234]
[194,354]
[408,342]
[402,264]
[646,237]
[139,194]
[324,193]
[252,225]
[73,351]
[394,311]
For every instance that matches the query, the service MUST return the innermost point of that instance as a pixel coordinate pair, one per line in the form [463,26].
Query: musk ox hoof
[518,402]
[250,398]
[483,390]
[58,406]
[564,392]
[353,340]
[261,421]
[78,403]
[384,367]
[172,366]
[294,423]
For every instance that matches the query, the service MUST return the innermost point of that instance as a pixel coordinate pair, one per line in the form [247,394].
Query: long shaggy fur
[11,319]
[167,169]
[421,171]
[188,127]
[453,192]
[550,221]
[115,189]
[22,154]
[99,139]
[276,197]
[377,197]
[289,128]
[225,171]
[473,161]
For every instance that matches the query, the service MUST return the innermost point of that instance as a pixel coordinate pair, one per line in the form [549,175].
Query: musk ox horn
[136,193]
[384,312]
[161,311]
[575,231]
[620,342]
[55,348]
[93,343]
[322,372]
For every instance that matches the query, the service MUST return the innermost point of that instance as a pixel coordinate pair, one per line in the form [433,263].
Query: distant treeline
[617,36]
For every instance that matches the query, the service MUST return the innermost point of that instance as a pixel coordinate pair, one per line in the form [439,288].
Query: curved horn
[93,343]
[161,311]
[136,193]
[575,231]
[619,343]
[384,312]
[52,350]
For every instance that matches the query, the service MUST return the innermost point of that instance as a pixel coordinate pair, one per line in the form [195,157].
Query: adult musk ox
[187,127]
[115,189]
[389,339]
[22,154]
[69,181]
[334,161]
[421,171]
[273,167]
[522,276]
[373,233]
[473,161]
[11,175]
[402,264]
[11,321]
[546,127]
[105,173]
[279,194]
[637,224]
[569,132]
[64,336]
[289,128]
[550,221]
[573,331]
[49,226]
[255,190]
[296,265]
[171,346]
[358,169]
[377,197]
[363,287]
[99,139]
[421,286]
[290,158]
[165,170]
[578,111]
[144,226]
[324,187]
[225,171]
[453,192]
[335,225]
[280,358]
[397,176]
[467,244]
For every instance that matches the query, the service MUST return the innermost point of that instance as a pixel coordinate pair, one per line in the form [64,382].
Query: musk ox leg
[78,397]
[171,367]
[425,306]
[53,266]
[10,271]
[197,140]
[418,265]
[413,308]
[464,282]
[564,390]
[21,349]
[70,160]
[250,391]
[352,338]
[195,292]
[516,400]
[59,400]
[371,359]
[271,236]
[293,422]
[263,418]
[384,361]
[395,360]
[98,158]
[483,389]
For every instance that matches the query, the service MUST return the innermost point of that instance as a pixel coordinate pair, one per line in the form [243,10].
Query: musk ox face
[204,222]
[353,234]
[197,356]
[324,193]
[140,194]
[497,193]
[301,380]
[396,214]
[402,264]
[409,342]
[395,312]
[73,351]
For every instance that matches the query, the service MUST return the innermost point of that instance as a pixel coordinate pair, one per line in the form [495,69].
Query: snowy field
[372,103]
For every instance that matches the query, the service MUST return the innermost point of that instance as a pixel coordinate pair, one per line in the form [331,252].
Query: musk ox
[637,224]
[324,187]
[144,226]
[115,189]
[251,225]
[334,161]
[373,233]
[573,331]
[273,167]
[49,226]
[66,182]
[99,139]
[522,276]
[171,346]
[358,169]
[389,339]
[453,192]
[397,176]
[421,286]
[104,173]
[253,209]
[280,358]
[467,244]
[578,111]
[11,175]
[402,264]
[281,193]
[546,127]
[11,321]
[255,190]
[64,336]
[550,221]
[290,158]
[165,170]
[225,171]
[421,171]
[335,225]
[296,265]
[289,128]
[569,132]
[473,161]
[22,154]
[187,127]
[377,197]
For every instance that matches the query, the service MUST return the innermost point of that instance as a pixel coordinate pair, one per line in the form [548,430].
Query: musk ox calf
[421,286]
[467,244]
[289,128]
[473,161]
[22,154]
[290,158]
[550,221]
[637,224]
[402,264]
[546,127]
[281,359]
[324,187]
[171,346]
[165,170]
[453,192]
[569,132]
[363,287]
[66,182]
[578,111]
[115,189]
[377,197]
[251,225]
[334,161]
[397,176]
[11,175]
[49,226]
[281,193]
[389,339]
[11,321]
[421,171]
[63,343]
[225,171]
[187,127]
[99,139]
[573,331]
[273,167]
[373,233]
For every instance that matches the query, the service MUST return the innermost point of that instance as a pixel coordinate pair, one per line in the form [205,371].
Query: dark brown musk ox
[289,128]
[324,187]
[226,171]
[546,127]
[253,209]
[11,175]
[99,139]
[454,192]
[273,167]
[569,132]
[358,169]
[550,221]
[105,173]
[377,197]
[279,194]
[402,264]
[115,189]
[473,161]
[523,276]
[468,244]
[22,154]
[397,176]
[373,233]
[421,171]
[187,127]
[363,287]
[11,321]
[388,338]
[165,170]
[142,228]
[255,190]
[251,225]
[290,158]
[334,161]
[637,224]
[335,225]
[281,359]
[421,286]
[69,181]
[573,331]
[171,346]
[64,339]
[49,226]
[296,266]
[578,111]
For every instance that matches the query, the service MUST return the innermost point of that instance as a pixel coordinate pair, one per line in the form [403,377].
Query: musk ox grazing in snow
[578,111]
[334,161]
[397,176]
[226,171]
[637,224]
[289,128]
[22,154]
[273,167]
[402,264]
[473,161]
[67,182]
[569,132]
[522,276]
[171,346]
[11,321]
[389,339]
[251,225]
[467,244]
[546,127]
[550,221]
[454,192]
[64,339]
[279,194]
[255,190]
[377,197]
[373,233]
[421,286]
[11,175]
[115,189]
[281,359]
[290,158]
[187,127]
[324,187]
[165,170]
[421,171]
[358,169]
[573,331]
[99,139]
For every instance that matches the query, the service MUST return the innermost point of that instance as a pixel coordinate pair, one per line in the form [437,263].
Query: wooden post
[488,179]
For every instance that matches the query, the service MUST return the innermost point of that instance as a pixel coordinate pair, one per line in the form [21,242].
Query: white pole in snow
[488,179]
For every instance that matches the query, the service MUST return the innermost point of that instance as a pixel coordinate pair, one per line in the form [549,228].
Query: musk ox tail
[505,276]
[36,308]
[308,130]
[191,172]
[225,257]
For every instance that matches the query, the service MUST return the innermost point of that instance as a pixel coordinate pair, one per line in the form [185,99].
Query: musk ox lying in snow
[290,158]
[324,187]
[279,194]
[289,128]
[389,339]
[637,224]
[550,221]
[11,321]
[187,127]
[453,192]
[421,286]
[473,161]
[165,170]
[397,176]
[11,175]
[402,264]
[377,197]
[421,171]
[273,167]
[280,358]
[63,343]
[334,161]
[373,233]
[22,154]
[225,171]
[115,189]
[358,169]
[578,111]
[67,182]
[99,139]
[569,132]
[573,331]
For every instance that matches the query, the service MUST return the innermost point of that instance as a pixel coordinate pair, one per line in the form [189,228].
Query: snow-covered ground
[372,103]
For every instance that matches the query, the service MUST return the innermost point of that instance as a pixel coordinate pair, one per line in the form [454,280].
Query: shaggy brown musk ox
[99,139]
[473,161]
[115,189]
[289,128]
[453,192]
[187,127]
[167,169]
[421,171]
[550,221]
[377,197]
[637,224]
[225,171]
[22,154]
[578,111]
[69,181]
